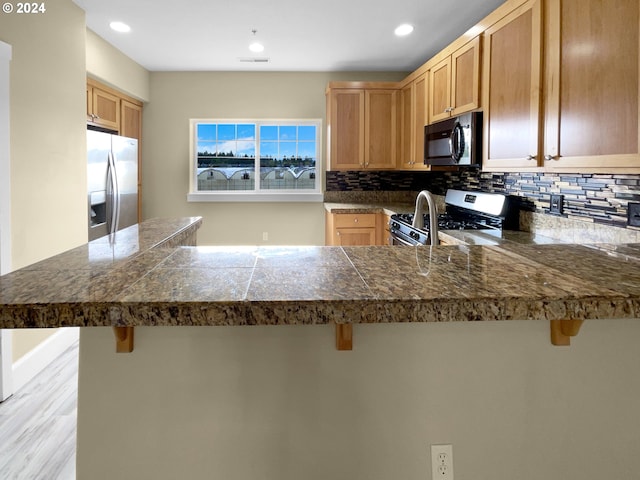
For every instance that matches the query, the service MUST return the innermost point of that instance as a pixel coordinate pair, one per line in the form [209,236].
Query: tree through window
[261,156]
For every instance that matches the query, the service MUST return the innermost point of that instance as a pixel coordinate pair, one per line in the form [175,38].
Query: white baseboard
[37,359]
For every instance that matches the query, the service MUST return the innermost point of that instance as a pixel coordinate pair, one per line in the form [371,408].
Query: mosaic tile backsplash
[597,198]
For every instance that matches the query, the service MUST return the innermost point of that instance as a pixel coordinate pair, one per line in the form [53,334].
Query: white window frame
[256,195]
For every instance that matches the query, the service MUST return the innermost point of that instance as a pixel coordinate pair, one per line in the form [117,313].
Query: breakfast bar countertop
[149,281]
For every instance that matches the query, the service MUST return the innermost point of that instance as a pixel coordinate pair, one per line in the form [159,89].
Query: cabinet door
[454,86]
[131,126]
[407,152]
[350,229]
[346,129]
[380,142]
[131,120]
[349,237]
[465,78]
[591,118]
[512,87]
[440,91]
[420,120]
[105,109]
[413,99]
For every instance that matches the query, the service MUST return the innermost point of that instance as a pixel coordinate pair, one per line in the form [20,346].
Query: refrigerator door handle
[113,197]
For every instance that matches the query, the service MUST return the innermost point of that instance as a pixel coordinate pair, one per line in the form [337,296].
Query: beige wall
[23,341]
[177,97]
[280,403]
[112,67]
[48,147]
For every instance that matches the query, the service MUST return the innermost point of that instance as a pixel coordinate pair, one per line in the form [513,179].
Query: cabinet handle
[448,110]
[531,157]
[548,158]
[355,220]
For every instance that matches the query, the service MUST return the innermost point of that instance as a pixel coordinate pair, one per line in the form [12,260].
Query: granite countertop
[495,237]
[141,280]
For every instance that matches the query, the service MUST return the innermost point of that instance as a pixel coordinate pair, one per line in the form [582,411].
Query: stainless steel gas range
[464,210]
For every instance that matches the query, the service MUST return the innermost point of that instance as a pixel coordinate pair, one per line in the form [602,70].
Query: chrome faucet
[418,219]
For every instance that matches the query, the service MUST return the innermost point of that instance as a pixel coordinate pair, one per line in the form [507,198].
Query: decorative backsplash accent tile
[594,198]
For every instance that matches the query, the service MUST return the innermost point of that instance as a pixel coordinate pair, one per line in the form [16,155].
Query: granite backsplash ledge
[371,196]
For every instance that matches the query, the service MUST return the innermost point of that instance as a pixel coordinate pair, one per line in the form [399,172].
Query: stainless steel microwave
[455,141]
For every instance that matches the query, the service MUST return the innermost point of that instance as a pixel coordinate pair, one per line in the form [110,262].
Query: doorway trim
[6,370]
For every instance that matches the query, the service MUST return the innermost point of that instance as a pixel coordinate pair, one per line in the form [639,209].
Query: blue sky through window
[227,153]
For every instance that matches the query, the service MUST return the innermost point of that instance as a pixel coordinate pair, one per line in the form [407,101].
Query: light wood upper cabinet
[413,115]
[131,119]
[454,82]
[511,90]
[345,130]
[362,128]
[380,136]
[592,86]
[405,158]
[111,109]
[440,91]
[103,108]
[575,108]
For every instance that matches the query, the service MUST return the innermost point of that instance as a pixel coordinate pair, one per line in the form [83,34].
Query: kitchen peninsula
[149,276]
[189,392]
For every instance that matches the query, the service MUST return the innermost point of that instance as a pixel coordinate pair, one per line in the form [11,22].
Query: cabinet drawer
[354,220]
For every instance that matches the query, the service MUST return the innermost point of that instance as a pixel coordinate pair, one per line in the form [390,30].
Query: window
[265,160]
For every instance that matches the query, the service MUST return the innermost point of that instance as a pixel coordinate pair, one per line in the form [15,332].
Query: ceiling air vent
[254,59]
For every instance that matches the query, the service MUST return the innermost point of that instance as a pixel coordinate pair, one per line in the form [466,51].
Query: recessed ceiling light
[120,27]
[255,46]
[404,29]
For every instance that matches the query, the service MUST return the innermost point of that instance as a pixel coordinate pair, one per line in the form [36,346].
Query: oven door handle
[402,241]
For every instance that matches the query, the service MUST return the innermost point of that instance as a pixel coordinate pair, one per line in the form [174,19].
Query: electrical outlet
[265,236]
[555,205]
[442,462]
[633,214]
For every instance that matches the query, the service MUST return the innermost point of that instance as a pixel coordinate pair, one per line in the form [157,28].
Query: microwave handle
[456,142]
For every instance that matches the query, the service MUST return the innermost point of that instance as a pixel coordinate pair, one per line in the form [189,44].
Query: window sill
[316,197]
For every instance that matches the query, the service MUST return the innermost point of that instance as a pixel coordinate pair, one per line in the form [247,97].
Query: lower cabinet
[354,229]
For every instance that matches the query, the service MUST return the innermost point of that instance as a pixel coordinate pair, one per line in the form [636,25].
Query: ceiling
[298,35]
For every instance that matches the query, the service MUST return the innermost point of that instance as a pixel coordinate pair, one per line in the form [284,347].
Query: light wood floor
[38,424]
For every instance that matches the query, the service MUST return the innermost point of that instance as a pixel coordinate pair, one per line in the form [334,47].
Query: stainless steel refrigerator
[112,180]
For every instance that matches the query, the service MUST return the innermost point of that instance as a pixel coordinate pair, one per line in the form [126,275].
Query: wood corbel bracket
[563,330]
[124,339]
[344,336]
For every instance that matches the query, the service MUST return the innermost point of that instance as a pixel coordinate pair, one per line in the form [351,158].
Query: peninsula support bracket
[344,336]
[124,339]
[563,330]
